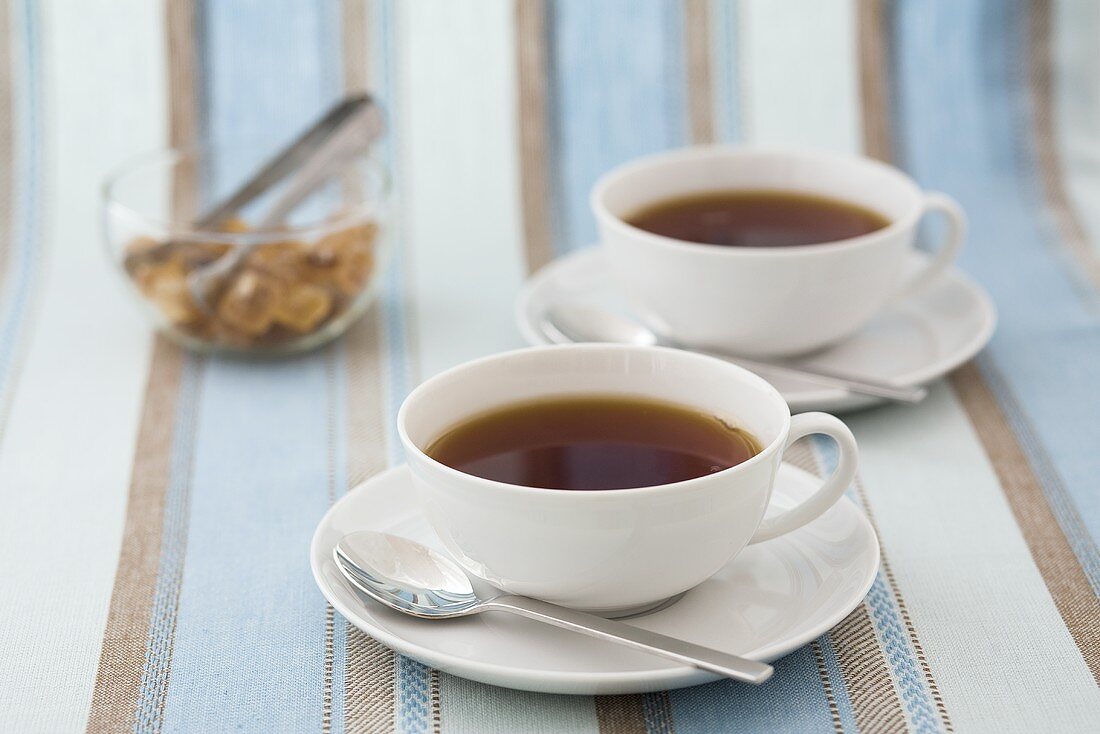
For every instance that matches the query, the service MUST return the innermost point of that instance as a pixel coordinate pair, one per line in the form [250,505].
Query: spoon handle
[730,666]
[829,378]
[328,146]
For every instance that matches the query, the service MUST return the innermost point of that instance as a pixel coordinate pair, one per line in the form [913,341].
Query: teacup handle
[945,254]
[831,489]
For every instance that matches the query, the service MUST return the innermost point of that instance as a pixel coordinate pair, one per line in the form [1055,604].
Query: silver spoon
[412,578]
[577,323]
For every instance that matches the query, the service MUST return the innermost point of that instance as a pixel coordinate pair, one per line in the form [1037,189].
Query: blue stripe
[656,714]
[836,680]
[1061,505]
[964,127]
[792,701]
[249,636]
[26,244]
[173,547]
[249,642]
[727,77]
[617,91]
[886,618]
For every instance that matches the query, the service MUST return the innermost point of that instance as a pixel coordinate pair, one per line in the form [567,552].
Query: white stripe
[800,80]
[68,449]
[474,708]
[1000,653]
[1075,39]
[461,174]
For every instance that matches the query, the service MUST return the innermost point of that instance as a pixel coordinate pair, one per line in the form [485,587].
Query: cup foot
[640,611]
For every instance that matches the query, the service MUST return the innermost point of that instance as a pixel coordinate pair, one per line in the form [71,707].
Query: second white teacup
[615,549]
[767,301]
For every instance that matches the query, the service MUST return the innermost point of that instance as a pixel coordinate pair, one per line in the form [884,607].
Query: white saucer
[912,343]
[770,600]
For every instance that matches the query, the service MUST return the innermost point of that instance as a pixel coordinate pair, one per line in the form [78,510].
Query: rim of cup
[701,152]
[775,445]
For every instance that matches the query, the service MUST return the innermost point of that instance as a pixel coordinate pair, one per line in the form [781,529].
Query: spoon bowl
[587,324]
[405,575]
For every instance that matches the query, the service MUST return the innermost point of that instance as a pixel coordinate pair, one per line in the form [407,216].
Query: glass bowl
[300,284]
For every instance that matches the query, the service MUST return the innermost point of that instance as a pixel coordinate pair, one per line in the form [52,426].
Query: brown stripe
[435,698]
[1053,555]
[123,651]
[328,666]
[369,701]
[366,429]
[700,88]
[183,95]
[354,62]
[876,704]
[369,666]
[826,684]
[183,70]
[873,38]
[328,669]
[1040,49]
[533,63]
[355,42]
[620,714]
[122,656]
[369,673]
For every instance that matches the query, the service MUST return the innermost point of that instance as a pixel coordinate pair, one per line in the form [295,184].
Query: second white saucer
[912,343]
[771,599]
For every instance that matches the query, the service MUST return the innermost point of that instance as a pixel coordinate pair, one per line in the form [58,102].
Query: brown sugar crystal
[250,302]
[286,260]
[346,258]
[303,306]
[165,284]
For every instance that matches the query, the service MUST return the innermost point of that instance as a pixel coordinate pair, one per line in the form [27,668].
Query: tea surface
[593,443]
[745,218]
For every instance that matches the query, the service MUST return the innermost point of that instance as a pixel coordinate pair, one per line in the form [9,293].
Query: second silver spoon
[577,323]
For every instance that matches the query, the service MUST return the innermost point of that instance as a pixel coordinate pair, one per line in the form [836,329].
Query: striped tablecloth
[155,507]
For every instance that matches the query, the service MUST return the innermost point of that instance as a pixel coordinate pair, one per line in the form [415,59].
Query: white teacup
[761,301]
[620,549]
